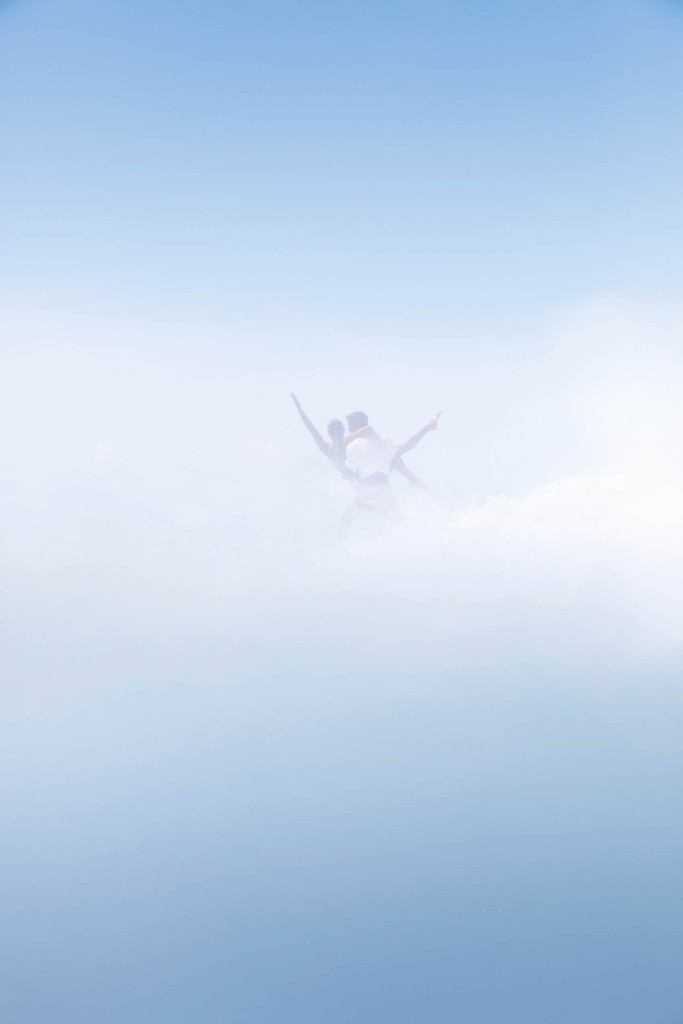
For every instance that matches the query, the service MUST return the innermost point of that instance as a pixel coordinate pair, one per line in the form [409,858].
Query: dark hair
[335,427]
[356,420]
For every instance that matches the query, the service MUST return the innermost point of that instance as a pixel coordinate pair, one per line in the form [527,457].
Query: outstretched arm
[432,424]
[317,437]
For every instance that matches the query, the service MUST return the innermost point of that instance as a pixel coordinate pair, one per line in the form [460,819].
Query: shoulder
[355,449]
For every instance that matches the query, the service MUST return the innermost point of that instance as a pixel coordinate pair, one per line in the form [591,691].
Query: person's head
[335,429]
[356,420]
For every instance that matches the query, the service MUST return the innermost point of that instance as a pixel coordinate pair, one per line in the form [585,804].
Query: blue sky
[252,776]
[307,170]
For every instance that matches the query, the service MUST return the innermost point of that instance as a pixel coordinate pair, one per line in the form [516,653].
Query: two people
[365,458]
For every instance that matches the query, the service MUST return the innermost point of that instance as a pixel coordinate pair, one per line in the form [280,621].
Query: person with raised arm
[372,457]
[335,448]
[397,462]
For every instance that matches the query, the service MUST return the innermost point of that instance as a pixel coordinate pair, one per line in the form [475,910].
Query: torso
[370,458]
